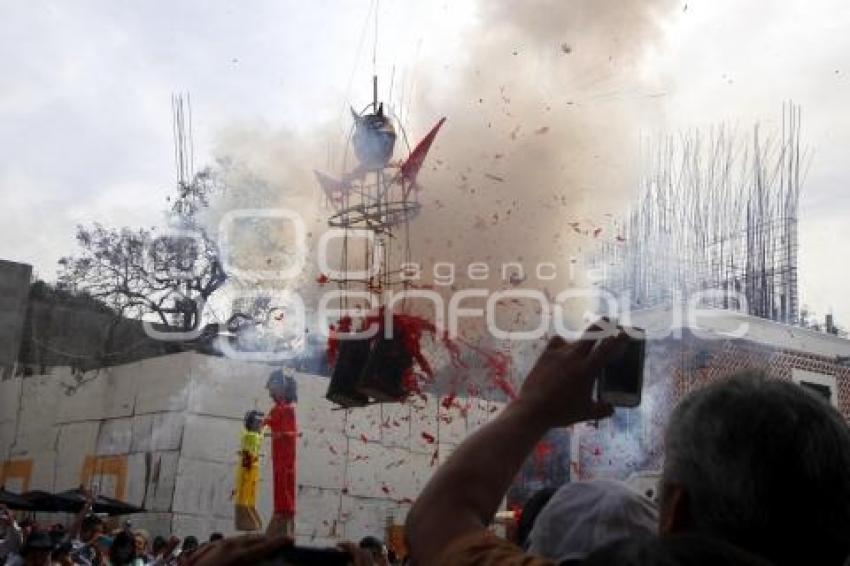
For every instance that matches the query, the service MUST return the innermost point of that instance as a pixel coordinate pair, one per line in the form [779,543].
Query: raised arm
[74,528]
[465,492]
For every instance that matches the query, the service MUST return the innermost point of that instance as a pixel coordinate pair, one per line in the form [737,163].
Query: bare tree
[139,273]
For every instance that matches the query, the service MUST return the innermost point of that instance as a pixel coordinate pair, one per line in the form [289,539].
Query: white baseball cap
[584,516]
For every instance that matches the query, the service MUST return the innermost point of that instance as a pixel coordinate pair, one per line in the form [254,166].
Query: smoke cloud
[543,114]
[544,109]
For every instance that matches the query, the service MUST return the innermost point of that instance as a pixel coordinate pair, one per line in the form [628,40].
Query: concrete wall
[164,432]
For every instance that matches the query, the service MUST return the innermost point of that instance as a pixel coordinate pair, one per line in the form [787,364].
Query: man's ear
[675,510]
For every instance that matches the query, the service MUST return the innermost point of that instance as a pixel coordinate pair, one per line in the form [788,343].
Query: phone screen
[622,379]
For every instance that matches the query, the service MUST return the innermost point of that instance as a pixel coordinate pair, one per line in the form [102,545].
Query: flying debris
[516,279]
[378,195]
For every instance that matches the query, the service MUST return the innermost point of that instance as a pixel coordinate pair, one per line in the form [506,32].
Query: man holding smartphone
[755,471]
[450,516]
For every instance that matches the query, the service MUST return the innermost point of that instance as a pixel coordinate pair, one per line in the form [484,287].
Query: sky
[86,113]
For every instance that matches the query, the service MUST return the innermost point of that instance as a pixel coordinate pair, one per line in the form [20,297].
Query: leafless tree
[139,273]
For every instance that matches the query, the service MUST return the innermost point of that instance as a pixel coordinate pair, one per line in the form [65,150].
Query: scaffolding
[716,211]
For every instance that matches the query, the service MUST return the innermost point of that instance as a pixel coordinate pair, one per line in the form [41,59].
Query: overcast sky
[85,116]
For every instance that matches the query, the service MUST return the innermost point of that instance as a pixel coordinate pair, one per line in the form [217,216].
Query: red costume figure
[284,432]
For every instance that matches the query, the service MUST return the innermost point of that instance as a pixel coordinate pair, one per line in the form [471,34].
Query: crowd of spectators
[88,542]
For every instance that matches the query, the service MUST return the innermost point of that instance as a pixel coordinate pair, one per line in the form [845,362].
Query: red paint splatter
[543,449]
[364,439]
[333,338]
[541,452]
[385,489]
[322,279]
[448,400]
[499,365]
[454,351]
[429,438]
[409,382]
[505,386]
[409,328]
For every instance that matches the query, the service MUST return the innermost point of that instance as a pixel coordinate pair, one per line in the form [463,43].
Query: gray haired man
[763,464]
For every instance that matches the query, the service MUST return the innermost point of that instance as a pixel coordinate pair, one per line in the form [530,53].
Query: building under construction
[717,211]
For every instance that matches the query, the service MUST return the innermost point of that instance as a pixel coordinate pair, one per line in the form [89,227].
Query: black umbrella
[76,498]
[112,506]
[47,502]
[13,500]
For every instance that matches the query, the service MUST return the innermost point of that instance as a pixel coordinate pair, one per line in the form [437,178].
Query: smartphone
[621,381]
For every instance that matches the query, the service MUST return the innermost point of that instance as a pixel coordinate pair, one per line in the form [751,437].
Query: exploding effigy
[376,199]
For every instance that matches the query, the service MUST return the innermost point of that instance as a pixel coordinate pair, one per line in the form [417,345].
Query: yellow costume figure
[245,514]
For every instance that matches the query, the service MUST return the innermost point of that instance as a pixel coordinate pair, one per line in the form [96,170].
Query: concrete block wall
[174,424]
[122,411]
